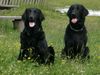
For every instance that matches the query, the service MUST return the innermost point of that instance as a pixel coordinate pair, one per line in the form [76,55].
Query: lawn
[54,27]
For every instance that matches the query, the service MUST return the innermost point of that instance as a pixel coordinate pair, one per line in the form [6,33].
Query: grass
[54,27]
[91,4]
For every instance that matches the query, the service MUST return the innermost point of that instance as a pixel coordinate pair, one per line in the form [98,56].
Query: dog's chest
[78,37]
[31,41]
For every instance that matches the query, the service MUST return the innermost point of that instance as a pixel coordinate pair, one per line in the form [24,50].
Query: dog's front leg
[67,52]
[21,55]
[85,53]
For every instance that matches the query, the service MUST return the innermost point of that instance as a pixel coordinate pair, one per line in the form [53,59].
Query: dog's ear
[24,15]
[41,15]
[69,11]
[85,11]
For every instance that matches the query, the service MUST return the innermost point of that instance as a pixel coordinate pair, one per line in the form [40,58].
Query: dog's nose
[30,17]
[73,15]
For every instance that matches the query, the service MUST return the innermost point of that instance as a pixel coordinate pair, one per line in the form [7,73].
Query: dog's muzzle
[74,20]
[31,24]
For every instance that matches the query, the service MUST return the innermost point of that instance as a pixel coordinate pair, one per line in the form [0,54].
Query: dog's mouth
[74,20]
[32,24]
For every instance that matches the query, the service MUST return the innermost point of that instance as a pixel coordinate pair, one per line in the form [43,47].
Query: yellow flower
[29,58]
[18,61]
[63,62]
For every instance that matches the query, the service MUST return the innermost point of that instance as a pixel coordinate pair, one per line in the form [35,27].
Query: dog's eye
[78,8]
[72,8]
[30,10]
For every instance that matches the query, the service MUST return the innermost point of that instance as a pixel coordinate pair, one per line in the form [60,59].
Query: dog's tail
[51,50]
[52,54]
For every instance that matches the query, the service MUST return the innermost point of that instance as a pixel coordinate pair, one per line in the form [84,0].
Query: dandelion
[18,61]
[51,43]
[63,62]
[29,58]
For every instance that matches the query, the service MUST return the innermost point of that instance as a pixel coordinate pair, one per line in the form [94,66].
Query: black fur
[32,39]
[76,34]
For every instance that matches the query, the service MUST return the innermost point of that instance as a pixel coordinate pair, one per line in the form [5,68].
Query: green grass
[54,27]
[91,4]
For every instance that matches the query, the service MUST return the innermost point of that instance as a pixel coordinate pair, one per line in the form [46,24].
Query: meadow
[54,27]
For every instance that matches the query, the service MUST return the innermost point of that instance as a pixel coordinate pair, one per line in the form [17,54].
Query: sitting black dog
[33,41]
[76,34]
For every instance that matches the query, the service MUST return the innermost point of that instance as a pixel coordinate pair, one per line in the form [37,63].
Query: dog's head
[77,13]
[32,17]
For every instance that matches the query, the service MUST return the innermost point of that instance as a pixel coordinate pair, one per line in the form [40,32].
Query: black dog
[33,42]
[76,34]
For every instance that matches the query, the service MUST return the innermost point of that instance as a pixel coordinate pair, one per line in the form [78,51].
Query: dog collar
[76,30]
